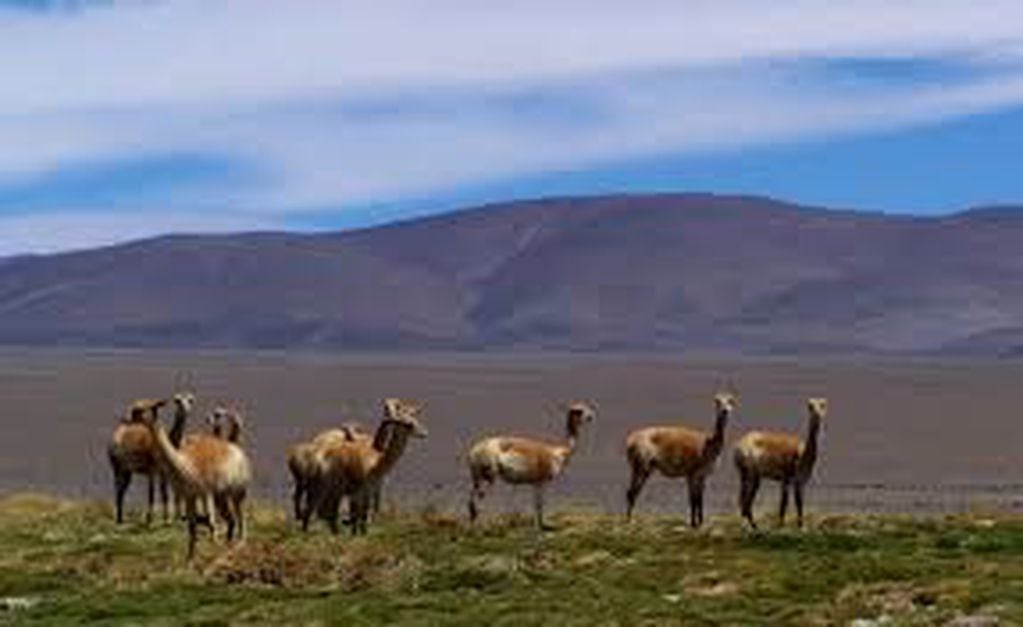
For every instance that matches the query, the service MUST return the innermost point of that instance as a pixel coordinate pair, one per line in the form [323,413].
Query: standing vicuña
[355,468]
[524,461]
[678,452]
[304,462]
[133,451]
[206,468]
[782,457]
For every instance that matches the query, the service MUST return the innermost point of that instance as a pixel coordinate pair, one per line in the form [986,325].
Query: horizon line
[511,202]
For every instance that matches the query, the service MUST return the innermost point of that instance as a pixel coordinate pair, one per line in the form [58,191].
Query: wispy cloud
[240,51]
[68,230]
[331,103]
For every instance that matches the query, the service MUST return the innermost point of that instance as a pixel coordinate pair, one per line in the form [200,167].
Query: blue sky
[130,119]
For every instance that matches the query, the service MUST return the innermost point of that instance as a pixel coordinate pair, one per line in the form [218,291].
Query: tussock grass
[63,561]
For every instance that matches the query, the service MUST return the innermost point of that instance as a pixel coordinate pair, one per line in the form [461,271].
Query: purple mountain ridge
[681,272]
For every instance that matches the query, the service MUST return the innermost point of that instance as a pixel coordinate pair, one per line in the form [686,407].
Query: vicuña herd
[210,472]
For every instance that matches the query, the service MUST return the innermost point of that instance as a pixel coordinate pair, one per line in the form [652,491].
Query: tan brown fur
[517,460]
[206,469]
[132,450]
[677,451]
[780,457]
[304,461]
[355,432]
[225,424]
[301,462]
[354,467]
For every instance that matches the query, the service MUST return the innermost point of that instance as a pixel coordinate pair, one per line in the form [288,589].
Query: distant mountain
[658,272]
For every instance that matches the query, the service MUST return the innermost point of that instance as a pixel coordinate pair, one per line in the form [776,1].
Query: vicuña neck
[382,435]
[396,439]
[812,433]
[177,430]
[234,430]
[571,434]
[720,422]
[717,438]
[178,466]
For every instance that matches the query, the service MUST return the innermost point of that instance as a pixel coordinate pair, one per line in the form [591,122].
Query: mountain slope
[628,272]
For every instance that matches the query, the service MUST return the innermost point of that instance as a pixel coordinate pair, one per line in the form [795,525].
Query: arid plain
[906,436]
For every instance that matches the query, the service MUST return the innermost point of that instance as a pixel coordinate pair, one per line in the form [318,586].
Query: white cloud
[66,230]
[202,52]
[346,102]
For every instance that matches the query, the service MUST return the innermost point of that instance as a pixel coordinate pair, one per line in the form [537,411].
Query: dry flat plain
[937,441]
[911,436]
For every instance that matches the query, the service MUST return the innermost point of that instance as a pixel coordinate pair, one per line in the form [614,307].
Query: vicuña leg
[538,498]
[224,510]
[783,504]
[164,497]
[193,522]
[151,492]
[122,479]
[374,506]
[358,507]
[238,509]
[748,495]
[297,497]
[636,483]
[798,493]
[475,496]
[695,489]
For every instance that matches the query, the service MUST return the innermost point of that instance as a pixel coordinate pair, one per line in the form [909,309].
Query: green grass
[76,566]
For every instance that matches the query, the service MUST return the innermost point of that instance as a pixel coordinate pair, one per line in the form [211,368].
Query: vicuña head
[404,415]
[226,423]
[725,402]
[142,408]
[678,451]
[577,415]
[184,402]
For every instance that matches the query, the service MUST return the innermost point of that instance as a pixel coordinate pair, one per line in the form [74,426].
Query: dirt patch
[263,562]
[595,558]
[902,601]
[709,584]
[355,566]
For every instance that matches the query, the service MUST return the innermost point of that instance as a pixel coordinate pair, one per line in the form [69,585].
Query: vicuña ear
[183,381]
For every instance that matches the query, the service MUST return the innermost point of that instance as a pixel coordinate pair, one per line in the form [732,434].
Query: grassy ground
[65,562]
